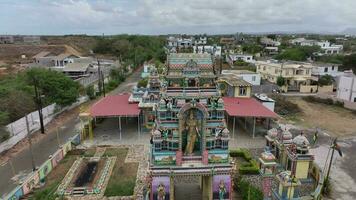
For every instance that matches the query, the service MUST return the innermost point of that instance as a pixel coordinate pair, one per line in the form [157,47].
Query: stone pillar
[207,192]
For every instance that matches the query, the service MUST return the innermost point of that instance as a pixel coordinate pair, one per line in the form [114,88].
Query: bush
[244,153]
[90,92]
[327,101]
[142,83]
[285,107]
[249,168]
[112,84]
[247,191]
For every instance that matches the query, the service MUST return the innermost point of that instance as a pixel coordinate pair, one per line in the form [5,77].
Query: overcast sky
[174,16]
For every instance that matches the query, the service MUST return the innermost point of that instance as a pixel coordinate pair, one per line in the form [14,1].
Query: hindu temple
[189,136]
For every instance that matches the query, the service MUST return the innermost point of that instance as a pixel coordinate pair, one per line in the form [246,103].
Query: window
[333,68]
[253,78]
[325,69]
[264,67]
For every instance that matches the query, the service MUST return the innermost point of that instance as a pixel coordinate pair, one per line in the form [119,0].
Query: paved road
[49,144]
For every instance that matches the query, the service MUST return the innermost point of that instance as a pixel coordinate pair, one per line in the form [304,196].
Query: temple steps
[78,191]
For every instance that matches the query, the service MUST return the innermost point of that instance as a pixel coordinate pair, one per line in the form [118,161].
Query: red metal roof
[114,106]
[246,107]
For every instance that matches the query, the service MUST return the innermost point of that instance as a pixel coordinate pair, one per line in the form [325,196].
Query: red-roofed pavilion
[247,108]
[116,106]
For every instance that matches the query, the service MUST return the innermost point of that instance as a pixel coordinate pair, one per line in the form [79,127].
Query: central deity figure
[193,132]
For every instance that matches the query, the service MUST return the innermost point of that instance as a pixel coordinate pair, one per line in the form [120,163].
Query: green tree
[325,80]
[300,53]
[55,86]
[281,81]
[142,83]
[90,92]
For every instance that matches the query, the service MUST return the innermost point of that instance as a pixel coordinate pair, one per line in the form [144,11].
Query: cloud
[161,16]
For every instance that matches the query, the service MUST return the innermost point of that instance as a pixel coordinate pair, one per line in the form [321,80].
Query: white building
[322,69]
[231,58]
[266,101]
[329,48]
[251,77]
[201,40]
[213,50]
[303,42]
[346,89]
[179,42]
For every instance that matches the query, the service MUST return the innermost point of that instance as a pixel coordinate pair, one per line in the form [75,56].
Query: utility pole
[99,76]
[39,105]
[30,143]
[331,159]
[103,78]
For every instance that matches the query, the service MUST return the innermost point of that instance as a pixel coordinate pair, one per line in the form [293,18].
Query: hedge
[251,166]
[244,153]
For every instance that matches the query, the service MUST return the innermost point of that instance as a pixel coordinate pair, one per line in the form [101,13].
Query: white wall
[347,88]
[320,70]
[254,79]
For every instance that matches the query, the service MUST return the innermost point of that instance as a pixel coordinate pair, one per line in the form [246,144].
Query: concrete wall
[308,88]
[254,79]
[347,88]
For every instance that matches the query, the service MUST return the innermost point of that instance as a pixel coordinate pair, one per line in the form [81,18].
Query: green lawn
[123,177]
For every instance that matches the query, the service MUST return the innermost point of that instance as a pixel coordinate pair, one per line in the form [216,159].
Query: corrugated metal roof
[114,106]
[246,107]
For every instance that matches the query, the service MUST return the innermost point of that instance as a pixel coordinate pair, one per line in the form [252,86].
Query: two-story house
[295,74]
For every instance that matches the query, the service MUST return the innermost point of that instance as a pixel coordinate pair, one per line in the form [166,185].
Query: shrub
[142,83]
[250,168]
[247,190]
[327,101]
[244,153]
[283,106]
[90,92]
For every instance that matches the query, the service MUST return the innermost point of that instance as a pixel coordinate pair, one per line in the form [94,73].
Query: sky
[97,17]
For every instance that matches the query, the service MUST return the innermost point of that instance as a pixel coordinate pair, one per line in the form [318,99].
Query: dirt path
[334,120]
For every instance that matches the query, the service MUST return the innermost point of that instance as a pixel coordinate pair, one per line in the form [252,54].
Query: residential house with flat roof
[322,69]
[231,58]
[251,77]
[294,73]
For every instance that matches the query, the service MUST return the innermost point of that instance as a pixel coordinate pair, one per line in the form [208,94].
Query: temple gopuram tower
[190,136]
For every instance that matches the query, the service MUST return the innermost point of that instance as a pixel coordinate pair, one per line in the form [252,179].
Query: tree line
[17,93]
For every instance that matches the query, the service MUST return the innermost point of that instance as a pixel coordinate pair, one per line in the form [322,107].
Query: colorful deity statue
[193,133]
[222,190]
[161,191]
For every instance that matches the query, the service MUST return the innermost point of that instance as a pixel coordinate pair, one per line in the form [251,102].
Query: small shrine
[284,139]
[298,158]
[288,187]
[268,164]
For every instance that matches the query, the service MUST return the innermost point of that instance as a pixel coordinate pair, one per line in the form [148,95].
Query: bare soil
[337,121]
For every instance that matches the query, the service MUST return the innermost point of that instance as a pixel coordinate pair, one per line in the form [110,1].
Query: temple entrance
[192,83]
[192,187]
[192,132]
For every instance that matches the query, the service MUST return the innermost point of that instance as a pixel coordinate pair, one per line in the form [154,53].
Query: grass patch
[247,190]
[123,178]
[54,178]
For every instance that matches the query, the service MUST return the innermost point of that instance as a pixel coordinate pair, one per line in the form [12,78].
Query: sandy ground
[336,121]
